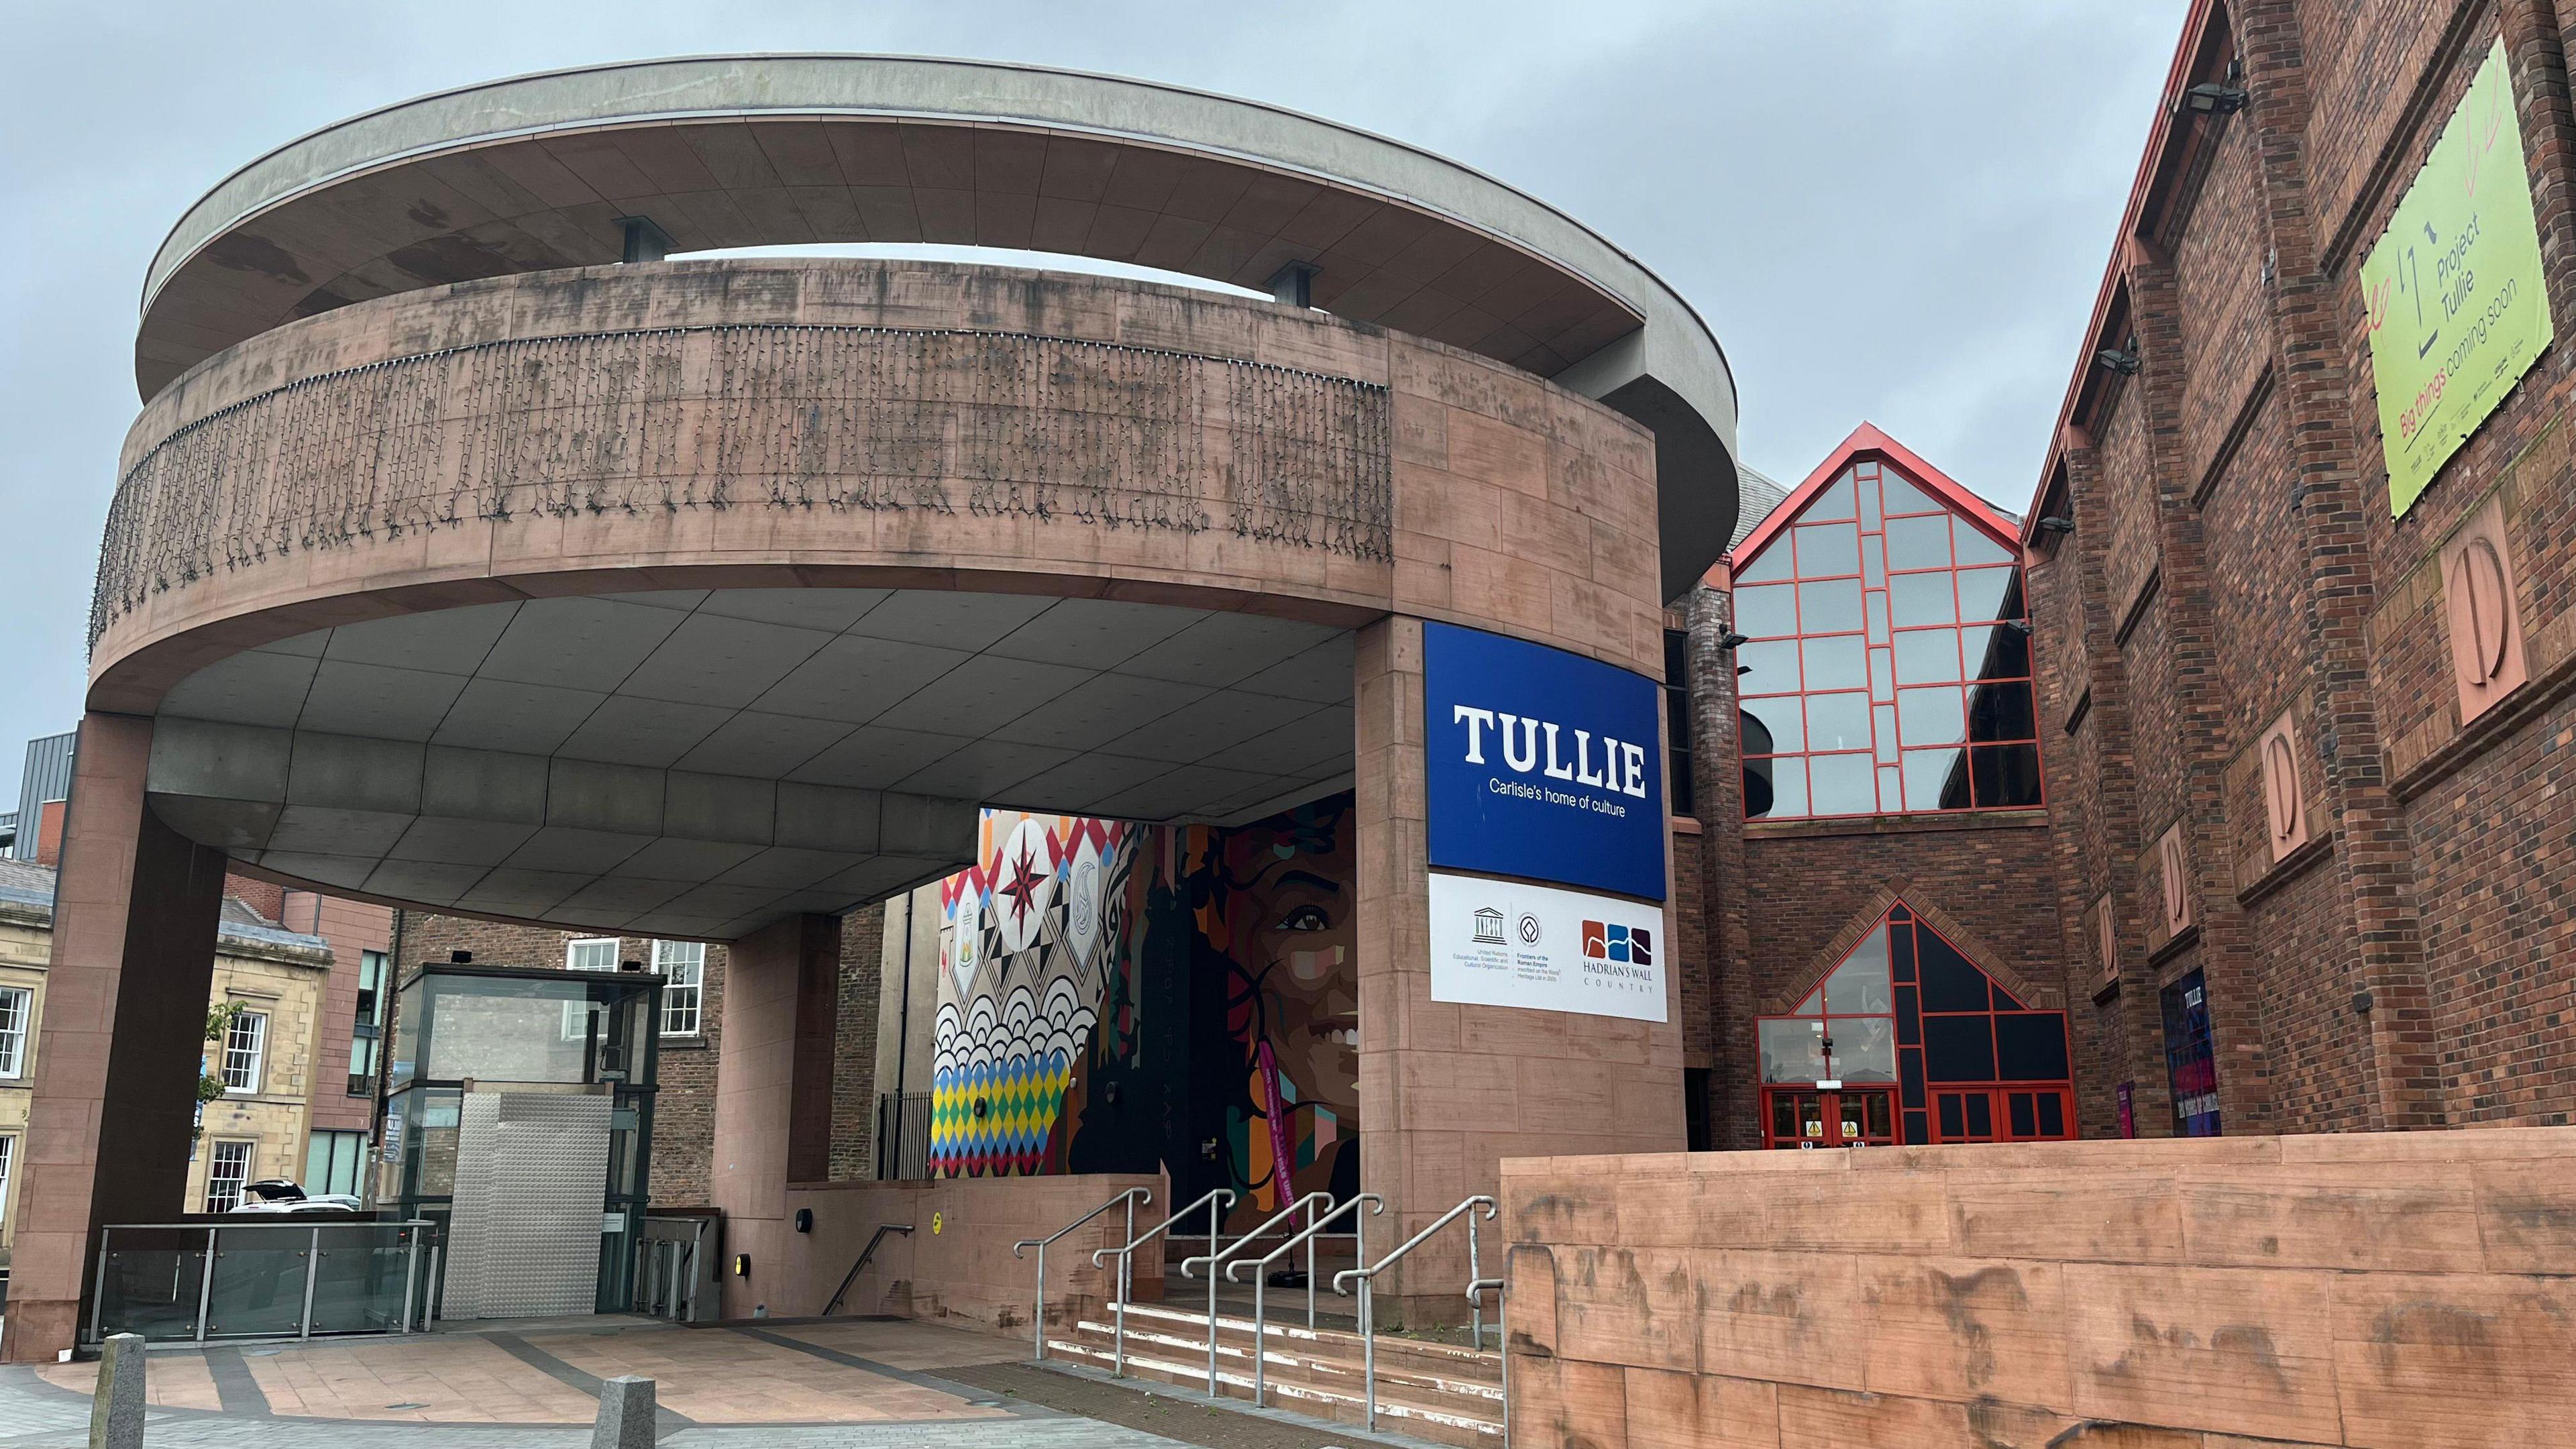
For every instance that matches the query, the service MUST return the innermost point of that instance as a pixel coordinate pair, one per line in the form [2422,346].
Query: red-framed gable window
[1907,1027]
[1888,663]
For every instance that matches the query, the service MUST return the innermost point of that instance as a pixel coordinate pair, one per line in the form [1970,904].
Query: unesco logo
[1489,928]
[1634,945]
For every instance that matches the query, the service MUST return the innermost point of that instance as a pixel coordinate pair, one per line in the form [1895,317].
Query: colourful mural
[1119,997]
[1273,909]
[1030,936]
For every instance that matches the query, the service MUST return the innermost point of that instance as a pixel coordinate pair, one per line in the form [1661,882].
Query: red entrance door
[1847,1118]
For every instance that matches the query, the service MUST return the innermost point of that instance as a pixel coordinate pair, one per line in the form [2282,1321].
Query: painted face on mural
[1297,986]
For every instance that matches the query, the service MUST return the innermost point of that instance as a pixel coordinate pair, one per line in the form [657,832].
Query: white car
[277,1195]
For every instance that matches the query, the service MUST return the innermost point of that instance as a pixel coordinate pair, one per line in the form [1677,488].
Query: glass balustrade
[288,1277]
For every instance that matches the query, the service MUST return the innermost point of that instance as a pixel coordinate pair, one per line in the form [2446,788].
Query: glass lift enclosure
[461,1028]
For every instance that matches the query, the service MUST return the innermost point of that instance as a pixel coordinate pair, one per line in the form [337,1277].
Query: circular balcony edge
[787,89]
[538,172]
[1322,545]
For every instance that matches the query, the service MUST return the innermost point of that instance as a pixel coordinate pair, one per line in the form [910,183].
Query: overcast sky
[1892,211]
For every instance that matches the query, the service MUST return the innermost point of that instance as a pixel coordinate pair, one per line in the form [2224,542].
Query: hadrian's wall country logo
[1631,945]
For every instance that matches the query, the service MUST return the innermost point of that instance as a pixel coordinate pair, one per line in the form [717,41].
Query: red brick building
[2280,821]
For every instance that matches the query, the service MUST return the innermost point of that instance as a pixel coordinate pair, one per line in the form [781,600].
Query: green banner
[2457,309]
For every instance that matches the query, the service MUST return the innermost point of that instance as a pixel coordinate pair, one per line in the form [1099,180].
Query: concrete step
[1444,1393]
[1396,1413]
[1476,1387]
[1451,1360]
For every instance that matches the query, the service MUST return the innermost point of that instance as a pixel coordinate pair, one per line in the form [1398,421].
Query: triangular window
[1906,1012]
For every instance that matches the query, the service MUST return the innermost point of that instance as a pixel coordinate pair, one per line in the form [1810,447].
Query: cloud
[1887,211]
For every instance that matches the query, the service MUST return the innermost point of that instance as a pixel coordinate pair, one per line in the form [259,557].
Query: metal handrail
[1219,1259]
[664,1266]
[1502,1334]
[861,1265]
[1037,1319]
[273,1220]
[1261,1283]
[1368,1289]
[1476,1292]
[1126,1255]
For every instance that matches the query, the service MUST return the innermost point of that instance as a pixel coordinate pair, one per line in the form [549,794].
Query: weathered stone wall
[2398,1289]
[803,422]
[957,1264]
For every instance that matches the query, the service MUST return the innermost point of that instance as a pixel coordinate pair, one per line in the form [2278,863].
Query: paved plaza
[849,1385]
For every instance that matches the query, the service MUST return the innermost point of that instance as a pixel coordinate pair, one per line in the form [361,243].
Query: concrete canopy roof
[533,173]
[699,763]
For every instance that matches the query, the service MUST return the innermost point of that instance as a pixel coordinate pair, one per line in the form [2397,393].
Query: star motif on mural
[1023,885]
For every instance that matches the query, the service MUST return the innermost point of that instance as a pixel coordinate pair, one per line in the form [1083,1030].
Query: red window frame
[1875,1107]
[1883,690]
[1918,1097]
[2003,1111]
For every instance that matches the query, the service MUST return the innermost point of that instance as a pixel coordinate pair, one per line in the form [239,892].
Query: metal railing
[1367,1276]
[265,1276]
[870,1251]
[1037,1319]
[1502,1333]
[1261,1279]
[670,1263]
[1217,1260]
[1216,1200]
[903,1136]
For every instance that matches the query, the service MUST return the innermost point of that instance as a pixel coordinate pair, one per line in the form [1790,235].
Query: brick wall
[854,1053]
[1690,932]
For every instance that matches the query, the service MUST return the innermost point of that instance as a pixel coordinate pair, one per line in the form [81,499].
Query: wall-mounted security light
[2210,98]
[1743,669]
[742,1265]
[1730,639]
[2124,363]
[804,1220]
[2056,523]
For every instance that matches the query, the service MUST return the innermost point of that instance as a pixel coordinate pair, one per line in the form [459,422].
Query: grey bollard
[625,1414]
[116,1412]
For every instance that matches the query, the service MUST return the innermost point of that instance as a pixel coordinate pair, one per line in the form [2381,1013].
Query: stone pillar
[1448,1091]
[1398,1020]
[773,1094]
[123,1033]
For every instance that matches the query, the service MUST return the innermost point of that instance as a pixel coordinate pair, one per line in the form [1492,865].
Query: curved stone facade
[863,424]
[543,172]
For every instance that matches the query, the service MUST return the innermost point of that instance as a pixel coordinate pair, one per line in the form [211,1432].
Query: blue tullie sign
[1543,764]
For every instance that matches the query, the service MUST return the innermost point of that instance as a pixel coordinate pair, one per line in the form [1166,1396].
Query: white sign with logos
[1508,943]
